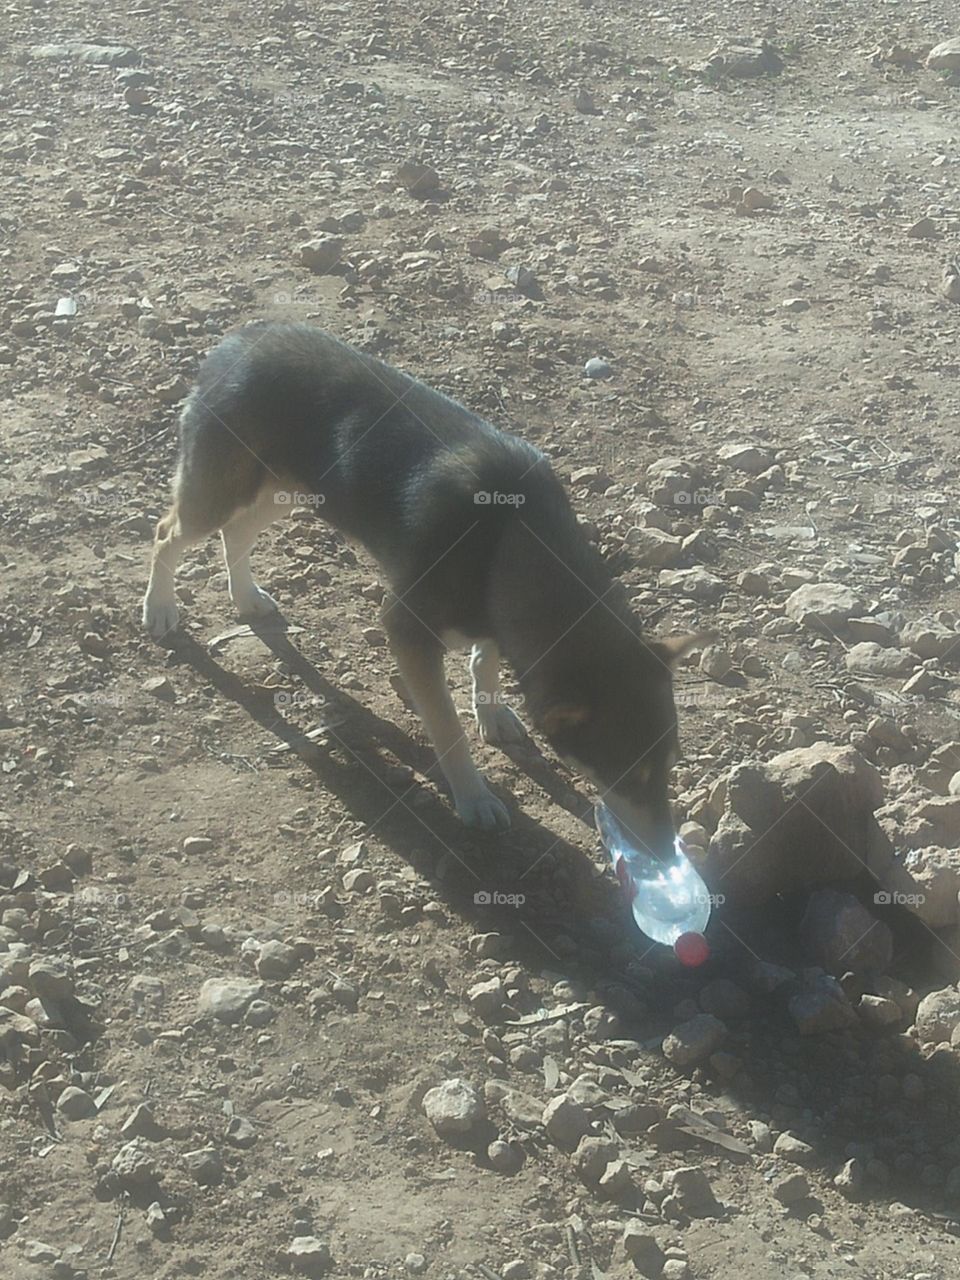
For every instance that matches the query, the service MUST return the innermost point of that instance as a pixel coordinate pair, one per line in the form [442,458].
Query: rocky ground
[265,1007]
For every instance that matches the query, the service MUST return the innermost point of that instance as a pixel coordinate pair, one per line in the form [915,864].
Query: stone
[690,1188]
[746,457]
[505,1157]
[694,1040]
[938,1015]
[825,607]
[454,1108]
[794,1150]
[135,1164]
[791,1189]
[592,1157]
[226,999]
[565,1121]
[91,55]
[927,882]
[801,820]
[197,844]
[308,1256]
[654,549]
[76,1104]
[839,934]
[724,999]
[741,60]
[821,1006]
[205,1165]
[487,999]
[276,961]
[50,979]
[945,56]
[697,583]
[716,662]
[872,659]
[643,1250]
[931,640]
[597,368]
[419,180]
[322,255]
[879,1012]
[849,1181]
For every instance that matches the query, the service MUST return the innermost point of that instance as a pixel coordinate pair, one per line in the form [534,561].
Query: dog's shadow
[388,781]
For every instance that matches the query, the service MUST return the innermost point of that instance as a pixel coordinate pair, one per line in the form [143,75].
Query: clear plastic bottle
[669,900]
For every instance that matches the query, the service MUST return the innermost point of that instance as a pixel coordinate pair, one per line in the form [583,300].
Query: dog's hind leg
[239,535]
[419,656]
[179,529]
[496,722]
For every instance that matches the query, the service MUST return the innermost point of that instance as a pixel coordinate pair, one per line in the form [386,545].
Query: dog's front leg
[419,656]
[496,722]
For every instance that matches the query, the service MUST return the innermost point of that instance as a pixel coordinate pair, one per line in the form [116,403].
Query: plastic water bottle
[669,900]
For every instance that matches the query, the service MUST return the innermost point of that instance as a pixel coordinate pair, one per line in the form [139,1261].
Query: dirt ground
[164,812]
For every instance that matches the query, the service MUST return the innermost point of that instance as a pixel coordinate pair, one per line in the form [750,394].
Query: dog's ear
[562,715]
[670,649]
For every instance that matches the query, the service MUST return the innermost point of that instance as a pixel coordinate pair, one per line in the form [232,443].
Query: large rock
[802,820]
[871,659]
[945,56]
[840,934]
[825,607]
[454,1108]
[226,999]
[926,882]
[654,549]
[931,640]
[938,1014]
[694,1040]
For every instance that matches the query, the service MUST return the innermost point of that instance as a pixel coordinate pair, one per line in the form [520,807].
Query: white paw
[499,724]
[160,617]
[255,604]
[482,810]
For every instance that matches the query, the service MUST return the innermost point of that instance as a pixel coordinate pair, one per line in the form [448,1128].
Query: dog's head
[612,717]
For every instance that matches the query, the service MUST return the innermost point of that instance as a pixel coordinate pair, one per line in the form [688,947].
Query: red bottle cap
[691,949]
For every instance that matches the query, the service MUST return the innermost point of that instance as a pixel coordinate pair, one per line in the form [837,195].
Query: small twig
[119,1226]
[572,1248]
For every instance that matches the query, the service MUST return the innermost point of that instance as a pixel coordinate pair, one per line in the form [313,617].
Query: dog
[475,536]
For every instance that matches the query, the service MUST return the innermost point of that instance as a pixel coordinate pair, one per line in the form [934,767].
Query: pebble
[205,1165]
[694,1040]
[454,1108]
[823,606]
[938,1014]
[838,933]
[791,1188]
[226,999]
[597,368]
[944,56]
[321,256]
[643,1250]
[76,1104]
[793,1149]
[690,1190]
[308,1256]
[276,961]
[565,1121]
[197,844]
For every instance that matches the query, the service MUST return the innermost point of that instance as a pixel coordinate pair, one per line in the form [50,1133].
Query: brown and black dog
[475,536]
